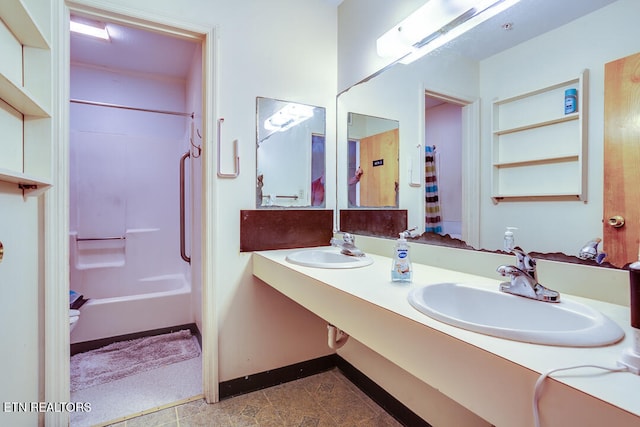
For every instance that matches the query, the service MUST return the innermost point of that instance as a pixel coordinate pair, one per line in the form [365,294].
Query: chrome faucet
[590,251]
[523,279]
[525,262]
[347,245]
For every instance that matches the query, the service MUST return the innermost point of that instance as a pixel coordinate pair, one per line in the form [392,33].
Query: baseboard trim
[384,399]
[81,347]
[273,377]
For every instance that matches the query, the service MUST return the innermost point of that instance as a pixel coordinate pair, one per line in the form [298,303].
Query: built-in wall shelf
[538,151]
[26,90]
[22,24]
[538,161]
[31,185]
[567,118]
[18,98]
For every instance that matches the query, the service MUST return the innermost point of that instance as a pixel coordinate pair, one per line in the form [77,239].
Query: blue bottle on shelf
[570,101]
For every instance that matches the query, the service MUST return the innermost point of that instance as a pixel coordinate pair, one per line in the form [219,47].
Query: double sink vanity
[456,332]
[452,328]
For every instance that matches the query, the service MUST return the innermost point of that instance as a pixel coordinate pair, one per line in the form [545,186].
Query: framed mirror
[373,145]
[290,154]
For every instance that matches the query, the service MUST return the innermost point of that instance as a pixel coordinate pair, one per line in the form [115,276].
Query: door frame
[56,200]
[470,159]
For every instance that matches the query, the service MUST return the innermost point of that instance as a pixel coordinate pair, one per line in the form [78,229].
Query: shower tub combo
[123,298]
[126,230]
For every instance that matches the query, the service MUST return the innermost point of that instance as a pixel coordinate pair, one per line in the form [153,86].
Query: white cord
[538,387]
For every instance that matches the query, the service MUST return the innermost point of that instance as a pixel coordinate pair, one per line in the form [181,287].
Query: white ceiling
[132,49]
[137,50]
[148,52]
[527,19]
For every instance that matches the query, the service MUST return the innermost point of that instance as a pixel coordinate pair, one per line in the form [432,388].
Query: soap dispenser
[509,241]
[401,270]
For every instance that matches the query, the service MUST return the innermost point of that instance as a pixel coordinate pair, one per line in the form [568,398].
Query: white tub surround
[492,377]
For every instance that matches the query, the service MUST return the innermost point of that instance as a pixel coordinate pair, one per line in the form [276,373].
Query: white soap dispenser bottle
[509,241]
[401,270]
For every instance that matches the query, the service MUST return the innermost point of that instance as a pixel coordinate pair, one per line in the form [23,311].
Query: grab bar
[88,239]
[281,197]
[183,244]
[235,154]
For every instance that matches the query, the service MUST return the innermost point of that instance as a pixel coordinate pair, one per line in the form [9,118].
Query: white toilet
[74,316]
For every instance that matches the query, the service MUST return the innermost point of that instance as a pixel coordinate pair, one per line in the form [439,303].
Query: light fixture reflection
[288,116]
[435,24]
[93,29]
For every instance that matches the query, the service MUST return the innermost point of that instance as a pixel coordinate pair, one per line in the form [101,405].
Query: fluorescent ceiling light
[434,24]
[288,116]
[93,29]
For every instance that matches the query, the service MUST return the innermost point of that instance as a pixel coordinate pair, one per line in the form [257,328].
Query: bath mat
[125,358]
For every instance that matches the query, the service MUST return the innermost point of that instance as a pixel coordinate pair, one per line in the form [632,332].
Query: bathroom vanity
[492,377]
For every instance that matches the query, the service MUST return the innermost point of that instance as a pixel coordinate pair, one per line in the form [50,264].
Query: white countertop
[373,285]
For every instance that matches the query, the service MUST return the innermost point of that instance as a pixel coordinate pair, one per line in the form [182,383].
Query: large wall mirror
[535,44]
[290,154]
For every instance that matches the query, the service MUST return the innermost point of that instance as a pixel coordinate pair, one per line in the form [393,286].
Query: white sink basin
[491,312]
[327,258]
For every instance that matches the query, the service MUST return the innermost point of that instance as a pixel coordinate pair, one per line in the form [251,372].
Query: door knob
[616,221]
[1,251]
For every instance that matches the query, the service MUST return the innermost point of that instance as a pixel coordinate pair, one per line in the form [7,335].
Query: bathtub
[161,301]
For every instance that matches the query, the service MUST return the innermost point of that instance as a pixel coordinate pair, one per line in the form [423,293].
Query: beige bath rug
[125,358]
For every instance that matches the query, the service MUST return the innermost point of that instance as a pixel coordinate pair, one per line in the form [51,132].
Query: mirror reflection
[372,173]
[543,44]
[429,118]
[290,154]
[443,166]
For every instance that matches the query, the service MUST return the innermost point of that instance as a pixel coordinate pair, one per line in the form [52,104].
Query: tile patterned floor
[324,400]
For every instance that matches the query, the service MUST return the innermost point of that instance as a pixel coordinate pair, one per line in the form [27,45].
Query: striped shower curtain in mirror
[432,203]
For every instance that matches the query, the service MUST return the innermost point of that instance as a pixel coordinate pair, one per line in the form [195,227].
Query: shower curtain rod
[124,107]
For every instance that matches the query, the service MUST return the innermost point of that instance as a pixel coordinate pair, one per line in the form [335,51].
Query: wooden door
[622,160]
[379,162]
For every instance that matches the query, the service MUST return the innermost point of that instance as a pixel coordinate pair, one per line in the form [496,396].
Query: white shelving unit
[25,98]
[538,151]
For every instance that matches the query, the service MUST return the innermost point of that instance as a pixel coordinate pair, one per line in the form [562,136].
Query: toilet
[74,315]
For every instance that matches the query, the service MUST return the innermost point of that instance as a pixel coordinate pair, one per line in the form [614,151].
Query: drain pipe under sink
[337,338]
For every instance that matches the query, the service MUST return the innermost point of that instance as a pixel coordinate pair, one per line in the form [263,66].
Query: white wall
[589,42]
[257,324]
